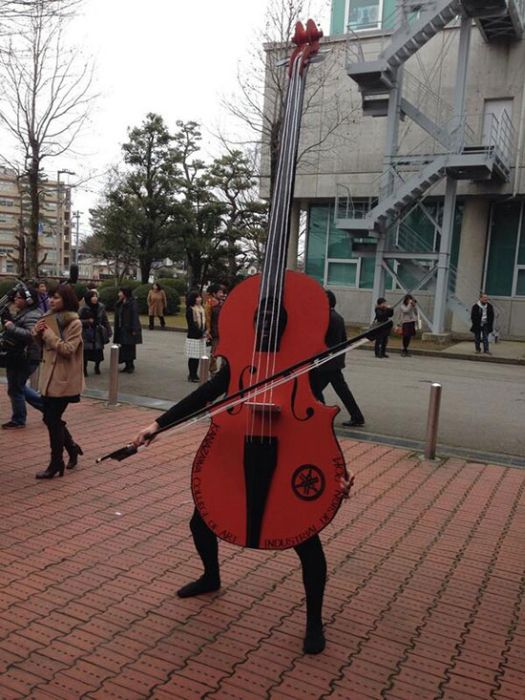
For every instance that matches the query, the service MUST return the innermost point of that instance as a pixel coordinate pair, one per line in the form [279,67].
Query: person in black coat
[96,330]
[482,317]
[383,313]
[195,339]
[128,332]
[332,371]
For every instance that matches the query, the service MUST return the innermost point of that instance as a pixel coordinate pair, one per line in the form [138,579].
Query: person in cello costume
[256,332]
[310,552]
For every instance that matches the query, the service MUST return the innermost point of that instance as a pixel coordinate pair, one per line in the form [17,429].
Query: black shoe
[314,640]
[204,584]
[353,423]
[73,457]
[97,369]
[385,355]
[12,425]
[50,472]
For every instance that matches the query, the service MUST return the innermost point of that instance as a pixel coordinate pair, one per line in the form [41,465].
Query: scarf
[199,316]
[483,308]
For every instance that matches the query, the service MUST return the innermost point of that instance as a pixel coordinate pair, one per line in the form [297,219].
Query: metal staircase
[457,146]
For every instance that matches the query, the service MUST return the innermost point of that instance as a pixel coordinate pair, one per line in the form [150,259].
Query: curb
[453,356]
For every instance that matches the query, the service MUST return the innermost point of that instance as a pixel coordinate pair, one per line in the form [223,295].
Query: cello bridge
[263,407]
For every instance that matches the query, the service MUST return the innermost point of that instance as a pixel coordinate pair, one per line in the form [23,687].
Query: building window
[505,264]
[329,256]
[364,14]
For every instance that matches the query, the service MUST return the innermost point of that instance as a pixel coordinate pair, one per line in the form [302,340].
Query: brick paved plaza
[426,577]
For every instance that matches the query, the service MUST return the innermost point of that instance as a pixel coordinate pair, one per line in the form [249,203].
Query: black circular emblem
[308,482]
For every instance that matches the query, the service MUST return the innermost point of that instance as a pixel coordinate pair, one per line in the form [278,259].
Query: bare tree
[44,98]
[262,83]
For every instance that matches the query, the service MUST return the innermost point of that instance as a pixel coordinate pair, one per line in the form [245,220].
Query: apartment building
[422,188]
[54,229]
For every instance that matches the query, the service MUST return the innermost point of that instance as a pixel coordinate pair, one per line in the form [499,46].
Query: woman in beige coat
[157,304]
[61,375]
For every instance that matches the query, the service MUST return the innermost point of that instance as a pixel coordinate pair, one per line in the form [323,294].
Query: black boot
[162,322]
[205,584]
[151,322]
[49,473]
[97,367]
[74,451]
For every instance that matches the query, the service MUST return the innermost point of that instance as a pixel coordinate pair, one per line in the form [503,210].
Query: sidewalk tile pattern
[424,598]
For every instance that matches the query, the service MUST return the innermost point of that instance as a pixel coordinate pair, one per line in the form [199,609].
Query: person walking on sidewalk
[61,377]
[383,313]
[331,372]
[96,330]
[482,317]
[157,304]
[408,319]
[195,339]
[128,333]
[23,357]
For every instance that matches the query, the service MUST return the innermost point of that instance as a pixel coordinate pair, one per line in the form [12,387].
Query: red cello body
[268,473]
[304,491]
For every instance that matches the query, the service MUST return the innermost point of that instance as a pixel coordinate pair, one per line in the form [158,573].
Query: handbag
[398,330]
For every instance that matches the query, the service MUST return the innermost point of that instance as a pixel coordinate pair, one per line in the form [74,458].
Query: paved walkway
[426,566]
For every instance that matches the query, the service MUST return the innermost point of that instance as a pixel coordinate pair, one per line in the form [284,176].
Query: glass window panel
[315,250]
[339,243]
[503,240]
[520,284]
[364,14]
[521,249]
[342,274]
[366,275]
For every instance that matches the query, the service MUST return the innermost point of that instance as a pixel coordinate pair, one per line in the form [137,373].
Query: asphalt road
[482,409]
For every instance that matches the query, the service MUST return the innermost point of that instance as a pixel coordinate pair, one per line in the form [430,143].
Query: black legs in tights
[313,564]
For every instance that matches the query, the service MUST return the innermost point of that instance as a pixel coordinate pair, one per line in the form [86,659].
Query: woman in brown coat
[157,304]
[61,375]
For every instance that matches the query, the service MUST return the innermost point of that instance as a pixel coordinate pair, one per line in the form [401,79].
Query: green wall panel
[337,19]
[503,241]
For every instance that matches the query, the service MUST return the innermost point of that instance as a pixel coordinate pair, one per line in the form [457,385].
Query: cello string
[296,109]
[279,267]
[276,223]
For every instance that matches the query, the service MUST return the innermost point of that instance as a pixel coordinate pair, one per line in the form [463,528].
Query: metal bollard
[204,369]
[433,420]
[113,376]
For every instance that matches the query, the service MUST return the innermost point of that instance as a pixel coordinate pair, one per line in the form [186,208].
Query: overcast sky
[174,58]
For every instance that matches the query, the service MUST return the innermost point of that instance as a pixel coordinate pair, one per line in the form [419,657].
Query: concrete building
[422,188]
[55,224]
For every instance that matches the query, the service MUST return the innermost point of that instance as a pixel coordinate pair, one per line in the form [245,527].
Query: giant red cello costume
[268,473]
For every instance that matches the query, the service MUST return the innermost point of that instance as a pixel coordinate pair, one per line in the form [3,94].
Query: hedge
[177,283]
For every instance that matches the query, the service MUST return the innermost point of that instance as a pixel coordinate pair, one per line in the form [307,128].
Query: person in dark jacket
[310,552]
[195,339]
[128,333]
[383,313]
[332,371]
[482,317]
[23,356]
[96,330]
[215,301]
[43,297]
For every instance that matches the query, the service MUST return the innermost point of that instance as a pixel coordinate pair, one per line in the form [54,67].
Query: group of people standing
[203,328]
